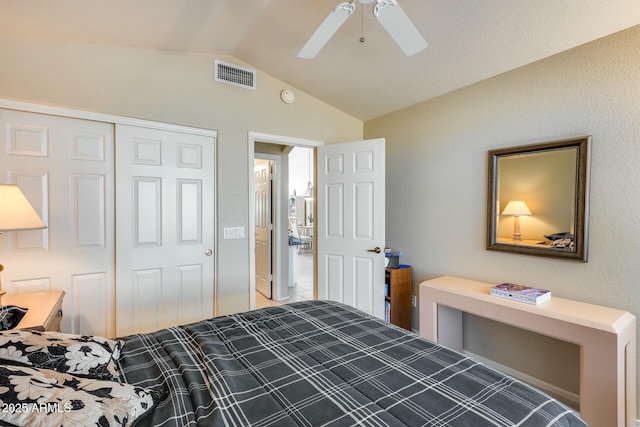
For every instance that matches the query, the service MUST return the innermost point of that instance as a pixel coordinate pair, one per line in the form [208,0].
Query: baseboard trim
[568,398]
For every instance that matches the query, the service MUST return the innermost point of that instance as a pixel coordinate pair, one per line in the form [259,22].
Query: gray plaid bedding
[322,363]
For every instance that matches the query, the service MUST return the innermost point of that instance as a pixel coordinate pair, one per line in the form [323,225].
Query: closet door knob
[208,252]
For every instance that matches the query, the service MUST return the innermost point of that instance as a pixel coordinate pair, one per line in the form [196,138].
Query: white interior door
[350,226]
[64,166]
[165,228]
[263,225]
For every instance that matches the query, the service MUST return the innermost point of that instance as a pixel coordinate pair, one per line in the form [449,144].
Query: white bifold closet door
[165,219]
[131,240]
[65,168]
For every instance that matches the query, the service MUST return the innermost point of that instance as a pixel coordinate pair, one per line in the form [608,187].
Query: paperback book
[521,293]
[387,311]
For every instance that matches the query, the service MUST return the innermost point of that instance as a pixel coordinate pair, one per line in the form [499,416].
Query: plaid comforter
[322,363]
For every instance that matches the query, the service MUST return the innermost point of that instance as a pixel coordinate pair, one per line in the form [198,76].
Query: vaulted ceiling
[469,40]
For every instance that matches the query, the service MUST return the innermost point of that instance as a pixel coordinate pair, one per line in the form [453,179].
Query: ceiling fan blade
[399,26]
[327,29]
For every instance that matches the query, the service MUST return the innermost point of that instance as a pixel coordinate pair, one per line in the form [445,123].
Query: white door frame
[281,251]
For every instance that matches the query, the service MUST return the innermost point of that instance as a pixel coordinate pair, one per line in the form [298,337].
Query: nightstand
[44,309]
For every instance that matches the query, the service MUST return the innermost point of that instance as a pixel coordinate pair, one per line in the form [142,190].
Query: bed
[317,363]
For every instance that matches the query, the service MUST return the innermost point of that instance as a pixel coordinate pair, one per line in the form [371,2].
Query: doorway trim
[280,250]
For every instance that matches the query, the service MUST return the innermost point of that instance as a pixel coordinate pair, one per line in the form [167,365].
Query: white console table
[606,336]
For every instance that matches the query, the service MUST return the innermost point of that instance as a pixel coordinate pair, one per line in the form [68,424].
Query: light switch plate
[234,232]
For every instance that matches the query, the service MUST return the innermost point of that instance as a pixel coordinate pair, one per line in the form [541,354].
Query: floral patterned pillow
[92,356]
[42,397]
[10,316]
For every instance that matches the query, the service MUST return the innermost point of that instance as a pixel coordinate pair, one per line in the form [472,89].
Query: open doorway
[301,216]
[292,230]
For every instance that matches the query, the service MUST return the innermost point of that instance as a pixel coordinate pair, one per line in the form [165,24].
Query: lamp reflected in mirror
[516,208]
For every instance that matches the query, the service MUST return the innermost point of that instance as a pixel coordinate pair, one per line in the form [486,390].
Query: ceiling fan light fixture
[389,14]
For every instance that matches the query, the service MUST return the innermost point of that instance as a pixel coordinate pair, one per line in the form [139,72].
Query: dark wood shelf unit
[399,280]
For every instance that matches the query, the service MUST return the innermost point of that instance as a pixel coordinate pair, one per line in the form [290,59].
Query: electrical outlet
[414,301]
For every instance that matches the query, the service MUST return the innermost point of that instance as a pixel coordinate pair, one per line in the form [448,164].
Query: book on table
[521,293]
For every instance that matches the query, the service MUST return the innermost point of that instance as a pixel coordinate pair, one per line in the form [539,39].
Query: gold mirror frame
[579,209]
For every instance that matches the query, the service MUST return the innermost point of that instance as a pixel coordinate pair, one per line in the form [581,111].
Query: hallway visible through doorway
[303,289]
[293,203]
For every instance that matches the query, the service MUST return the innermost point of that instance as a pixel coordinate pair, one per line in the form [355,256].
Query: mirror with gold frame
[537,199]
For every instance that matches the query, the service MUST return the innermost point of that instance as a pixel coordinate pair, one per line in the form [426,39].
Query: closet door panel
[165,220]
[65,168]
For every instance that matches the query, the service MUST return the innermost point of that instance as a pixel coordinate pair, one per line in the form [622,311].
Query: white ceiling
[469,40]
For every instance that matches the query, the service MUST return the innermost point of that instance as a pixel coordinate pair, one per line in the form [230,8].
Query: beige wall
[436,172]
[176,88]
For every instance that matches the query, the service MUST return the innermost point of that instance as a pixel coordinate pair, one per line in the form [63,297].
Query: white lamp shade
[16,213]
[516,208]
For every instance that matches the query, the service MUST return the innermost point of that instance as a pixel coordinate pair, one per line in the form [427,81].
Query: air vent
[234,75]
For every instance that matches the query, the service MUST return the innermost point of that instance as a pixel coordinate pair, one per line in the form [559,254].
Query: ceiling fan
[389,14]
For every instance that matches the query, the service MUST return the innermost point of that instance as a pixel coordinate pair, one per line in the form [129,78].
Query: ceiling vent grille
[235,75]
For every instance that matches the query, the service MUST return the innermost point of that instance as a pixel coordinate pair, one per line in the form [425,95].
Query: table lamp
[16,213]
[516,208]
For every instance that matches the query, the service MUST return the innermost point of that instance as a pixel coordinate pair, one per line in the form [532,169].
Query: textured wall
[437,173]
